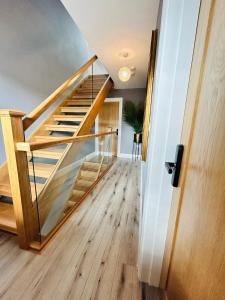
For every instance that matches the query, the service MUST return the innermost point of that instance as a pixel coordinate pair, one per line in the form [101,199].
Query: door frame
[191,110]
[120,101]
[174,57]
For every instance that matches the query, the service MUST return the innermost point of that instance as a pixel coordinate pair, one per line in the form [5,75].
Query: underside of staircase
[65,121]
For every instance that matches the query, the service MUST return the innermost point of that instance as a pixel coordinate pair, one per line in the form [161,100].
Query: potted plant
[133,115]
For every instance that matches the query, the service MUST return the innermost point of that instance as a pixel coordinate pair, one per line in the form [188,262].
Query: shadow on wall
[40,44]
[127,135]
[41,47]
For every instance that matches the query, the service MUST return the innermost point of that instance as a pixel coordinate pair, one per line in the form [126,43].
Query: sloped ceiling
[111,26]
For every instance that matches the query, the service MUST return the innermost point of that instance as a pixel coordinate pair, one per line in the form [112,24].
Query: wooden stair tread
[79,102]
[5,190]
[89,165]
[74,109]
[47,138]
[96,83]
[75,197]
[88,89]
[41,170]
[68,118]
[49,153]
[90,179]
[88,84]
[85,94]
[76,96]
[88,174]
[70,204]
[63,128]
[96,80]
[7,218]
[78,193]
[82,184]
[97,77]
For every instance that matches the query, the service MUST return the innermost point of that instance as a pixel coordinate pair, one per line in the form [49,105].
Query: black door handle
[174,167]
[170,166]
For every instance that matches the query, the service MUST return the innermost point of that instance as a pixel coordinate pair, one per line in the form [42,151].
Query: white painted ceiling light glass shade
[124,73]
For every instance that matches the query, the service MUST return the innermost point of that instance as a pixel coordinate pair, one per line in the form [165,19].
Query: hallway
[94,256]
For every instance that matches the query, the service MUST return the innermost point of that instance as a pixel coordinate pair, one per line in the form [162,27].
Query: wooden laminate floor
[93,256]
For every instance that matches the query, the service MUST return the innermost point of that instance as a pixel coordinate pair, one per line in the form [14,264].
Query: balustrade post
[24,210]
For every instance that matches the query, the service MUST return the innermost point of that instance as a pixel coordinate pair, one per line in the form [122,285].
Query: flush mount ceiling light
[124,54]
[124,74]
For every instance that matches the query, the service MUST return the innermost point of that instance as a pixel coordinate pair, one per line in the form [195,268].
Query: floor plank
[93,256]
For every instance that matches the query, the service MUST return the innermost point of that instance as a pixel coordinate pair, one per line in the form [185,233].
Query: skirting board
[125,155]
[129,156]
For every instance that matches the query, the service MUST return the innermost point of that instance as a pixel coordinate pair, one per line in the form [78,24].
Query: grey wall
[40,47]
[134,95]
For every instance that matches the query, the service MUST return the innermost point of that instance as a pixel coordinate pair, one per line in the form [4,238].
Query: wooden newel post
[24,210]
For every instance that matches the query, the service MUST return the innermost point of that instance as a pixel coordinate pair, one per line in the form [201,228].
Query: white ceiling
[113,25]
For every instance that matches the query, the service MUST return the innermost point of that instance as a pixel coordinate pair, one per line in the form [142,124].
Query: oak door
[197,267]
[109,119]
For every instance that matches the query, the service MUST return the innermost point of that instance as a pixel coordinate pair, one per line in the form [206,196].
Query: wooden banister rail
[32,146]
[37,112]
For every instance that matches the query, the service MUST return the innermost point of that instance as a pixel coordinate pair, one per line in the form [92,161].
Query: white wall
[41,46]
[174,57]
[127,135]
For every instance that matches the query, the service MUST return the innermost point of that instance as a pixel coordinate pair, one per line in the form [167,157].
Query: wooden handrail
[32,146]
[36,113]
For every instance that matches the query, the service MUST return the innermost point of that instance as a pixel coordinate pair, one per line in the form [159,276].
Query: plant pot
[138,138]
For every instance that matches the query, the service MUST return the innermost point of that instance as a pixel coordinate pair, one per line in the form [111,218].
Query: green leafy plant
[133,115]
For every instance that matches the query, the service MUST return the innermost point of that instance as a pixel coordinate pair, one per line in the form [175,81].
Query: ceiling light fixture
[124,74]
[124,54]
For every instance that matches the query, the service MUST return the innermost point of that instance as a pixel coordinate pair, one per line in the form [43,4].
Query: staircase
[87,176]
[73,117]
[65,121]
